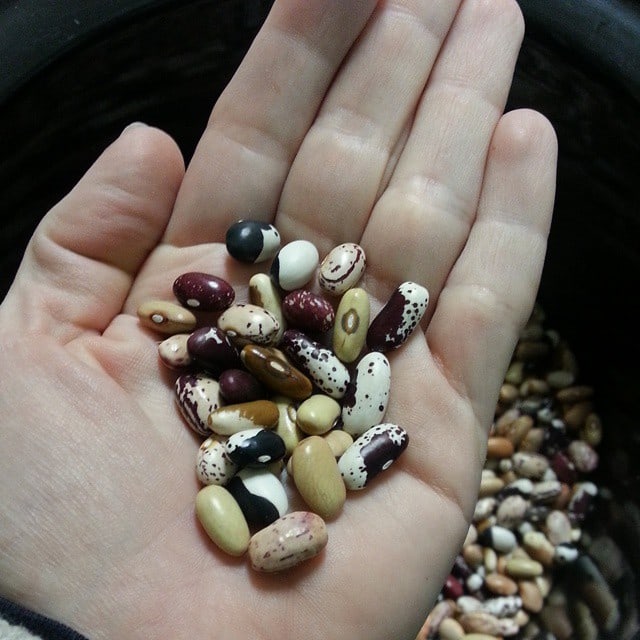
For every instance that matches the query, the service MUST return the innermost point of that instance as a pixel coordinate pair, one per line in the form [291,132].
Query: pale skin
[378,123]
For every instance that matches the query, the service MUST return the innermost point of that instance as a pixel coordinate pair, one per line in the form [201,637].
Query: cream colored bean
[222,519]
[317,414]
[339,441]
[351,324]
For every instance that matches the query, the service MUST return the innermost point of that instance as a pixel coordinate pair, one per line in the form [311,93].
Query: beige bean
[287,427]
[523,568]
[530,595]
[538,547]
[317,414]
[499,447]
[450,629]
[591,432]
[287,542]
[339,441]
[317,476]
[500,584]
[222,519]
[173,351]
[532,441]
[351,324]
[166,317]
[576,415]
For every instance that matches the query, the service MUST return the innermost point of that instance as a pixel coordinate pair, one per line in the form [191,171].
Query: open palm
[378,123]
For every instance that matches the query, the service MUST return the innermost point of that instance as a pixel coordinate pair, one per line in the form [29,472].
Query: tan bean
[500,584]
[530,595]
[499,447]
[165,317]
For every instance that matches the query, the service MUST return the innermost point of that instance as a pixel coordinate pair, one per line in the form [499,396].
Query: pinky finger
[491,289]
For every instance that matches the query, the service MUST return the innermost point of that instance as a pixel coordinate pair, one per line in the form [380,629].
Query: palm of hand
[97,464]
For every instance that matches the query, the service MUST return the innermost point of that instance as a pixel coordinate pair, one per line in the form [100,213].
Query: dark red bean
[203,292]
[308,311]
[237,385]
[211,348]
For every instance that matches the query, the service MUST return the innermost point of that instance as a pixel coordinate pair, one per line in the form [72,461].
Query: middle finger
[338,171]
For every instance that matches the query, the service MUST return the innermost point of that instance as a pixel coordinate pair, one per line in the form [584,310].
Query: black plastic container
[73,76]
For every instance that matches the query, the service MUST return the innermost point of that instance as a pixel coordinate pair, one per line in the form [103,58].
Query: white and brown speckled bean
[197,396]
[483,622]
[166,317]
[341,268]
[318,362]
[264,293]
[287,542]
[365,402]
[173,351]
[373,452]
[398,318]
[213,465]
[249,323]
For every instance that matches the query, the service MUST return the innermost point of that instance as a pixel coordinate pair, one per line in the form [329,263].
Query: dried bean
[287,542]
[173,351]
[203,291]
[249,323]
[308,311]
[166,317]
[233,418]
[252,241]
[294,265]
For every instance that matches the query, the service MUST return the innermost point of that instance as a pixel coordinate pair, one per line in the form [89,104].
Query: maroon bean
[211,348]
[309,311]
[203,292]
[237,385]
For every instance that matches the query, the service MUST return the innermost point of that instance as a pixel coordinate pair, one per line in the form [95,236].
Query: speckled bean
[341,268]
[365,402]
[263,293]
[287,542]
[530,465]
[173,351]
[166,317]
[308,311]
[482,622]
[318,362]
[351,324]
[373,452]
[197,395]
[249,323]
[398,318]
[213,465]
[203,291]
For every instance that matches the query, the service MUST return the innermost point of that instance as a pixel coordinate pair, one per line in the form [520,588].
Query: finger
[422,220]
[80,263]
[258,123]
[492,287]
[342,162]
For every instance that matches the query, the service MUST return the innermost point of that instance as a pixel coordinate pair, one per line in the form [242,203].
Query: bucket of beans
[283,388]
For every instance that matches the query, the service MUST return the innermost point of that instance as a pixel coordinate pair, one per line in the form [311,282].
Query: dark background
[74,73]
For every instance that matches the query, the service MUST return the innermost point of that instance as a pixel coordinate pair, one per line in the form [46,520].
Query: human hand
[375,123]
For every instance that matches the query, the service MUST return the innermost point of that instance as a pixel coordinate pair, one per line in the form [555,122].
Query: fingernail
[133,125]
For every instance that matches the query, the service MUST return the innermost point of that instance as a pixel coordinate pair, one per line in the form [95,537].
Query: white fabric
[15,632]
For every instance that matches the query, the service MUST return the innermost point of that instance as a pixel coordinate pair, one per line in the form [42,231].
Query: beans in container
[281,378]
